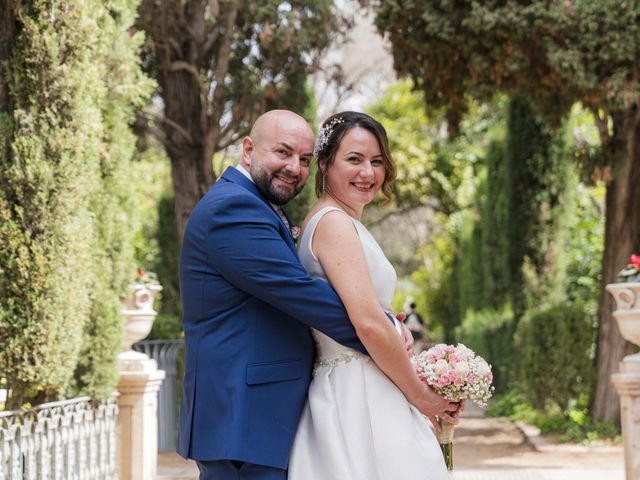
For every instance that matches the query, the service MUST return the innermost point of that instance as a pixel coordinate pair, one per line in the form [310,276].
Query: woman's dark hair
[333,131]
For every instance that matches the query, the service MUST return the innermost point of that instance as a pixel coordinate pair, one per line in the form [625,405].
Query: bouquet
[456,373]
[631,273]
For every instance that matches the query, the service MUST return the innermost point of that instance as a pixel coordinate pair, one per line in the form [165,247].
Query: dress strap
[310,229]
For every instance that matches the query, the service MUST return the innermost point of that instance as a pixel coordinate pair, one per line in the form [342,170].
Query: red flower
[635,261]
[141,272]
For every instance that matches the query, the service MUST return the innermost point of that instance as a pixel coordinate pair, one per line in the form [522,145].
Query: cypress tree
[64,200]
[537,177]
[124,89]
[48,172]
[494,245]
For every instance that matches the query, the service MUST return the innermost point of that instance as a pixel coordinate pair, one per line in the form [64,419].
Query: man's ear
[247,150]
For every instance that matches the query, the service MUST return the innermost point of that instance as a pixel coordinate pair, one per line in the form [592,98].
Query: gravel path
[498,449]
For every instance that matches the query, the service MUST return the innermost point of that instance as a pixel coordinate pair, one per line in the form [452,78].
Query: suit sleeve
[245,246]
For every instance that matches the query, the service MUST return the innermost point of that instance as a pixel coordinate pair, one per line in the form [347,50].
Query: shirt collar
[243,171]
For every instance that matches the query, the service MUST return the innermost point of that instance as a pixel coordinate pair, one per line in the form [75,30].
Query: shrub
[65,196]
[555,355]
[489,333]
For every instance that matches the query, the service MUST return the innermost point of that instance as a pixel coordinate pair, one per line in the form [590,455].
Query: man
[247,305]
[414,323]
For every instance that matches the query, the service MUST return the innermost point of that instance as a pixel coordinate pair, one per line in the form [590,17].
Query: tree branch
[170,123]
[142,122]
[210,39]
[222,61]
[602,123]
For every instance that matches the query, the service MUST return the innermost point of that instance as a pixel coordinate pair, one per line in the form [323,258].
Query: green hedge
[555,355]
[66,205]
[489,333]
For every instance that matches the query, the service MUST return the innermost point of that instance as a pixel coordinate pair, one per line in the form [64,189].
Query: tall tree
[537,177]
[220,64]
[555,53]
[70,82]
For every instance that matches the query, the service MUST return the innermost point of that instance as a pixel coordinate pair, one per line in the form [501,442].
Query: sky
[366,61]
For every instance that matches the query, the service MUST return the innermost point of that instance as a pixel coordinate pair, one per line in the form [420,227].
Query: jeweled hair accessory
[325,134]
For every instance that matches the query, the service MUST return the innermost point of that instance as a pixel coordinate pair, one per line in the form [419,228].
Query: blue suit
[247,305]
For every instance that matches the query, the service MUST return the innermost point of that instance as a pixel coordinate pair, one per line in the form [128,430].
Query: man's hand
[406,334]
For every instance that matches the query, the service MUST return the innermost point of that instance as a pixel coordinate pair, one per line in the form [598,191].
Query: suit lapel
[231,174]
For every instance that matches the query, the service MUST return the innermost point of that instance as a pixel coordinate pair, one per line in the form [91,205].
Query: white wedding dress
[356,424]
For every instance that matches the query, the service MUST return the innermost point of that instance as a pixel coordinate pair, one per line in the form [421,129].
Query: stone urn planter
[627,381]
[139,316]
[627,313]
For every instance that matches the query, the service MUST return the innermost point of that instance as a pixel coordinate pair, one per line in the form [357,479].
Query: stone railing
[71,439]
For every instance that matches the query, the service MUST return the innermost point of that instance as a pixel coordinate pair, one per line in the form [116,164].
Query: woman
[364,416]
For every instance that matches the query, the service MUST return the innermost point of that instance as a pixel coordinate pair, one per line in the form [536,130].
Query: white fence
[69,440]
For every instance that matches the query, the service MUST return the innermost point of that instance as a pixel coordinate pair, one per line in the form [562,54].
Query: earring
[324,179]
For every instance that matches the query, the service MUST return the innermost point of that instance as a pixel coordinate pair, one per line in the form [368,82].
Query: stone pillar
[138,384]
[627,380]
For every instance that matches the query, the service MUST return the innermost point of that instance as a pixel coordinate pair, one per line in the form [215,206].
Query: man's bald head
[274,119]
[277,153]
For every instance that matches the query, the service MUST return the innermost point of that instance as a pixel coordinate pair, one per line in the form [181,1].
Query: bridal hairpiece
[325,133]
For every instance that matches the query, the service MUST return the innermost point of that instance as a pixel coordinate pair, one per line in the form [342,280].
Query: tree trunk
[191,158]
[7,38]
[622,236]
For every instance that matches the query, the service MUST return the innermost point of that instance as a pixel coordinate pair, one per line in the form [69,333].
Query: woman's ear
[321,166]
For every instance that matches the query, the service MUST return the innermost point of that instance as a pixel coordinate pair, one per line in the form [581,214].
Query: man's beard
[264,182]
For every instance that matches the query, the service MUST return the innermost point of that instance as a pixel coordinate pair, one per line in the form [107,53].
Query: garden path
[490,449]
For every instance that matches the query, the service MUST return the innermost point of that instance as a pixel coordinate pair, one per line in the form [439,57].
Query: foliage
[156,243]
[554,54]
[432,169]
[573,424]
[494,246]
[434,291]
[125,90]
[168,324]
[538,177]
[64,200]
[584,250]
[631,273]
[221,64]
[555,360]
[47,175]
[489,332]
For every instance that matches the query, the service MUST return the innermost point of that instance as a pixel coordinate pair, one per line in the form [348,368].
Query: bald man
[248,304]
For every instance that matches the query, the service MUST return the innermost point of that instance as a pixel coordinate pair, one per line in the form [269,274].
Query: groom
[248,304]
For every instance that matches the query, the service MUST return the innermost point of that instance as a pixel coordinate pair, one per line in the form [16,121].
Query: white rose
[483,369]
[462,369]
[464,352]
[441,367]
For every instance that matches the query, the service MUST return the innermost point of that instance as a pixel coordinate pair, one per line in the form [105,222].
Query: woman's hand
[406,334]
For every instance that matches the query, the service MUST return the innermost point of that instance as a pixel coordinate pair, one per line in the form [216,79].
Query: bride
[364,416]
